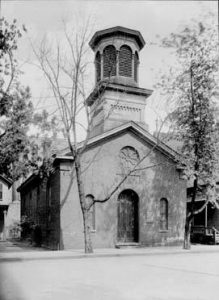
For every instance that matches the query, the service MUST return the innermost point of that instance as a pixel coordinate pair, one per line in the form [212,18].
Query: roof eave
[27,182]
[137,128]
[8,181]
[113,30]
[103,86]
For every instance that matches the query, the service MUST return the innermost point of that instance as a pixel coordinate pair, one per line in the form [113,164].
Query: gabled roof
[126,32]
[135,128]
[6,180]
[31,179]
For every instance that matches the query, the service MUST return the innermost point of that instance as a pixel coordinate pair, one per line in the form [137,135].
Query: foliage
[15,229]
[46,140]
[15,146]
[194,85]
[9,36]
[47,130]
[19,153]
[30,230]
[15,106]
[195,89]
[26,225]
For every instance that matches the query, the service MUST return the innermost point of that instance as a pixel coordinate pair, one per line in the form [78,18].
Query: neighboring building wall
[6,194]
[53,217]
[71,222]
[12,220]
[5,201]
[102,172]
[40,204]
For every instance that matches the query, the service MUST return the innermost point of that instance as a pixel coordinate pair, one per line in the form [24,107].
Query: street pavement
[116,274]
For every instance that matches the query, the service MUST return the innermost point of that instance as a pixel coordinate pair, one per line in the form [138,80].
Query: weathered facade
[9,210]
[149,207]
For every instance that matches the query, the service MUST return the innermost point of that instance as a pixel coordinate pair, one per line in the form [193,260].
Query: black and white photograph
[109,150]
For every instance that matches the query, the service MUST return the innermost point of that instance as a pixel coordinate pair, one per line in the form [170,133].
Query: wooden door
[128,217]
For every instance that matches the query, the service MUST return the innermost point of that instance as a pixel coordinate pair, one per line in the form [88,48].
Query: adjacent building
[9,210]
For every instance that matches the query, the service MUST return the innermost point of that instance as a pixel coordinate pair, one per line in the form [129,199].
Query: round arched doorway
[128,217]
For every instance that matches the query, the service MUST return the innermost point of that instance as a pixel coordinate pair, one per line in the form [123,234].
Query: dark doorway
[128,217]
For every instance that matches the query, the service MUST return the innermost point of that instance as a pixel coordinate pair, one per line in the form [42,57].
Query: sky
[153,19]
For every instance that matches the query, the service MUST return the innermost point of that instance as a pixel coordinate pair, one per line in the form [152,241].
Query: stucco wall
[53,216]
[101,172]
[6,194]
[71,222]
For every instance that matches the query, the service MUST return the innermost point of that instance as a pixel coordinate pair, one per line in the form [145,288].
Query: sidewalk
[43,254]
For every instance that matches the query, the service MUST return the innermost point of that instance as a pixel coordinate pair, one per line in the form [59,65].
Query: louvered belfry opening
[136,62]
[98,66]
[109,61]
[125,61]
[117,55]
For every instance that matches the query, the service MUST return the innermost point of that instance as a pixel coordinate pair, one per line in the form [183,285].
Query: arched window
[125,61]
[129,157]
[163,214]
[98,66]
[92,216]
[136,62]
[109,61]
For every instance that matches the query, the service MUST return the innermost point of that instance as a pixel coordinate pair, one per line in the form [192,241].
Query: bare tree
[66,74]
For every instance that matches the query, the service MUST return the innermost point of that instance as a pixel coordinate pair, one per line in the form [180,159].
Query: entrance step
[127,245]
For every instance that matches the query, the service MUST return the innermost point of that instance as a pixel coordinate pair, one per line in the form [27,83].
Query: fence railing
[205,234]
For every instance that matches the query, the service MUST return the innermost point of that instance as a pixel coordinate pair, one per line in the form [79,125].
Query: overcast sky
[151,18]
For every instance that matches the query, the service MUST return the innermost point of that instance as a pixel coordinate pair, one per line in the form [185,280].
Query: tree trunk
[189,218]
[87,234]
[187,243]
[85,213]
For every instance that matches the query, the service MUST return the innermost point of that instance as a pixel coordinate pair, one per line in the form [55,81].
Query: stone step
[127,245]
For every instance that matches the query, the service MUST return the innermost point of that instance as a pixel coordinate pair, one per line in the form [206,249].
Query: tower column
[117,62]
[101,66]
[133,65]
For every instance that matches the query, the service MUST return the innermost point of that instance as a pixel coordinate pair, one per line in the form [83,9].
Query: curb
[61,256]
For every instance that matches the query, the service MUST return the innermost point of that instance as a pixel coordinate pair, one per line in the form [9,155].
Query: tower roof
[113,31]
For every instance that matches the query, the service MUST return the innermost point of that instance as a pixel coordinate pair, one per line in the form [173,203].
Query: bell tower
[116,97]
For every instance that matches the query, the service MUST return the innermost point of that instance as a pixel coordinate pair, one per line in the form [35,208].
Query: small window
[92,216]
[163,214]
[1,191]
[129,158]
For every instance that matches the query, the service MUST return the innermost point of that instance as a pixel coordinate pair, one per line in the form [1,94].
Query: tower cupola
[117,55]
[116,98]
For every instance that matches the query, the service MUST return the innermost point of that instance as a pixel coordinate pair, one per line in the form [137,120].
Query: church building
[149,207]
